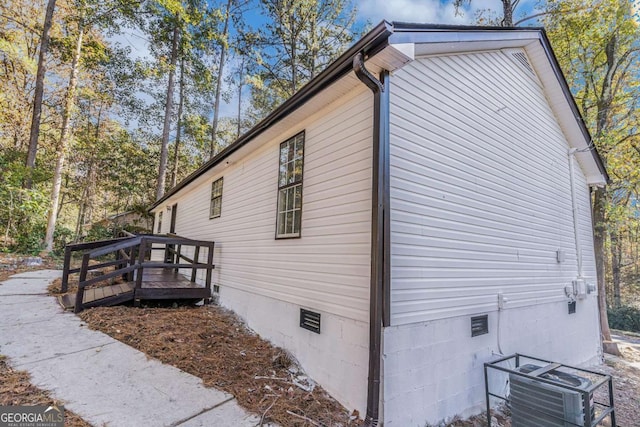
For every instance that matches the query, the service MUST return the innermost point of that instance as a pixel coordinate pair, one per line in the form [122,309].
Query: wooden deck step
[163,284]
[103,296]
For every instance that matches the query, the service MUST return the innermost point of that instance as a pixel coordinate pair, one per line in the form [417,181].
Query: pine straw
[55,288]
[499,419]
[213,344]
[16,389]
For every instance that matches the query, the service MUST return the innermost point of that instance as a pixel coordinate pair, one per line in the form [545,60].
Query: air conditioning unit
[538,404]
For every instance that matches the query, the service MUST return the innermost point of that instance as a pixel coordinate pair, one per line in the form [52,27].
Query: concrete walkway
[101,379]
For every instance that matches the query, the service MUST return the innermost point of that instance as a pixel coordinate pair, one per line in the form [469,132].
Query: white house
[429,176]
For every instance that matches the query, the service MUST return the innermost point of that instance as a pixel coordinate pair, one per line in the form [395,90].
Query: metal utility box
[540,393]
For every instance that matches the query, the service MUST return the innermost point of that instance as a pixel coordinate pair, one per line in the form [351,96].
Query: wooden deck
[156,284]
[129,261]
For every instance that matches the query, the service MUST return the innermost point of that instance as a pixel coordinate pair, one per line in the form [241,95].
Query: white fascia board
[391,58]
[447,36]
[451,42]
[407,49]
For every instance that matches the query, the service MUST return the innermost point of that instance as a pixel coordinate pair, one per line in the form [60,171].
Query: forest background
[105,105]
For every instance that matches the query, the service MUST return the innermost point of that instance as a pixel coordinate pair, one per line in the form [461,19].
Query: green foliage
[29,240]
[99,232]
[626,318]
[22,211]
[598,46]
[61,237]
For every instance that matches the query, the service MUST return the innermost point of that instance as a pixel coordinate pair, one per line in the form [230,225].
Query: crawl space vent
[310,320]
[479,325]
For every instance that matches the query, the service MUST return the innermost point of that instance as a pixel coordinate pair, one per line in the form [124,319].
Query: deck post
[83,276]
[196,260]
[209,271]
[132,261]
[168,254]
[141,257]
[64,285]
[177,256]
[118,266]
[142,253]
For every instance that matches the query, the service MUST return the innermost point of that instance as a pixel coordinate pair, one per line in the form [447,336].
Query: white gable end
[480,189]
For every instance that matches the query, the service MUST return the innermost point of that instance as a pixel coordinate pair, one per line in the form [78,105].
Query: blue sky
[371,11]
[431,11]
[425,11]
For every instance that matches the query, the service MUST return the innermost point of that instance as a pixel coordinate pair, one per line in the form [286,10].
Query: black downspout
[379,232]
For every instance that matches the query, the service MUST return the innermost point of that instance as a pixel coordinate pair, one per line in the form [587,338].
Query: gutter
[380,232]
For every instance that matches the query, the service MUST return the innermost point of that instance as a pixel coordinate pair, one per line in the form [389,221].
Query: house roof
[409,40]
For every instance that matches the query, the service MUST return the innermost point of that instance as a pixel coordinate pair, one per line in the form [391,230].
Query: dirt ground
[213,344]
[11,264]
[16,389]
[626,378]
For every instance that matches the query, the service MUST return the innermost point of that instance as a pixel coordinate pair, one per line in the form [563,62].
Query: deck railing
[71,248]
[132,255]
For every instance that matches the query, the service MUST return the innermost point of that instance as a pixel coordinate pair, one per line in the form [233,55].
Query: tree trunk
[599,227]
[600,197]
[62,196]
[216,106]
[635,255]
[38,93]
[164,150]
[507,8]
[91,194]
[176,150]
[64,142]
[80,218]
[240,85]
[616,261]
[86,206]
[314,50]
[294,77]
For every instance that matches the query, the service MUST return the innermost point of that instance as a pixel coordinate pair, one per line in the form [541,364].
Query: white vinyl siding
[480,190]
[327,268]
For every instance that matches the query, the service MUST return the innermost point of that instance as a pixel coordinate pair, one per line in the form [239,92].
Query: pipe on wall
[574,208]
[380,231]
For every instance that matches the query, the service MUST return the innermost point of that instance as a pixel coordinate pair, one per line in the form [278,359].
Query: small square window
[215,210]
